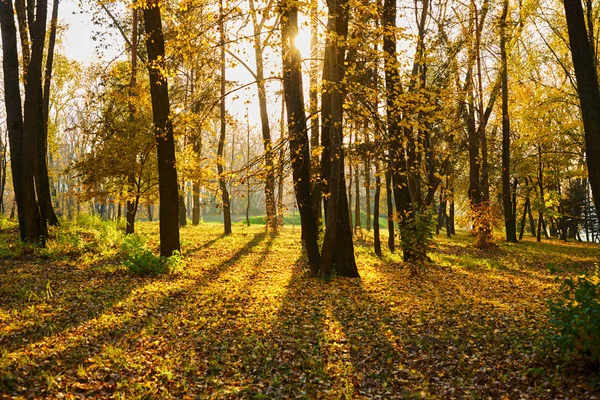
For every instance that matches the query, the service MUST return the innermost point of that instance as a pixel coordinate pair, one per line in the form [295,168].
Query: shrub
[416,235]
[483,217]
[575,319]
[140,260]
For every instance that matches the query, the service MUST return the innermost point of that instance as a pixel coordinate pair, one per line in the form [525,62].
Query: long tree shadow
[51,297]
[449,339]
[125,322]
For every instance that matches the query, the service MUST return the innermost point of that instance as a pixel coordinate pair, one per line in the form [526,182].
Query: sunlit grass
[244,320]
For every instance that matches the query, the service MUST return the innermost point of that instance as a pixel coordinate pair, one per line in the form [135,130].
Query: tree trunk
[316,197]
[259,46]
[196,203]
[390,205]
[33,120]
[588,90]
[165,144]
[338,246]
[225,199]
[376,199]
[368,193]
[357,222]
[298,137]
[130,217]
[181,207]
[42,153]
[509,217]
[542,201]
[14,112]
[396,134]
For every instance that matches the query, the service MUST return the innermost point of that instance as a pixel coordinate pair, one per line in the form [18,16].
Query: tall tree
[259,47]
[297,129]
[393,87]
[338,246]
[25,124]
[225,199]
[165,143]
[509,215]
[588,89]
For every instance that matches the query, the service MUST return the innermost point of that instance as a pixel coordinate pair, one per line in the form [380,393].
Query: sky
[77,42]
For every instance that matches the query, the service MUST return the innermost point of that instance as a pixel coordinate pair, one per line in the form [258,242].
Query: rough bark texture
[588,90]
[298,137]
[225,199]
[12,98]
[338,246]
[42,153]
[35,219]
[376,200]
[509,216]
[395,132]
[165,144]
[316,198]
[259,45]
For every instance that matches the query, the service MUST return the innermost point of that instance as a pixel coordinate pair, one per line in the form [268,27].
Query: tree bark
[338,246]
[376,199]
[259,46]
[298,137]
[389,202]
[509,217]
[165,144]
[588,90]
[316,197]
[225,199]
[32,126]
[399,174]
[42,154]
[14,112]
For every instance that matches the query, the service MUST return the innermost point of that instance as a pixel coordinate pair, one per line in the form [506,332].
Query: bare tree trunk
[357,222]
[316,198]
[181,206]
[396,133]
[225,199]
[338,246]
[42,178]
[588,90]
[165,144]
[259,45]
[298,137]
[368,193]
[509,217]
[541,186]
[376,238]
[389,202]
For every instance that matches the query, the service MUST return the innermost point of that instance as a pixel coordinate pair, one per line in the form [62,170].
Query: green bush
[140,260]
[575,319]
[416,236]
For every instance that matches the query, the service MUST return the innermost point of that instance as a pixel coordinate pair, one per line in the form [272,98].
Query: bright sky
[78,44]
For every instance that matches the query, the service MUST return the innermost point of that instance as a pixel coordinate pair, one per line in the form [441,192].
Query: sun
[302,42]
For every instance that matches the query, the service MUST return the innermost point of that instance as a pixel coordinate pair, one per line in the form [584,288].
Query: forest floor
[244,320]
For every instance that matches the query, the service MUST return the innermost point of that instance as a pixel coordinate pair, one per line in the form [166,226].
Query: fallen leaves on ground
[245,321]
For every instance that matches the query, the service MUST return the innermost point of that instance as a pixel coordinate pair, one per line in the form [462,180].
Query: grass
[245,321]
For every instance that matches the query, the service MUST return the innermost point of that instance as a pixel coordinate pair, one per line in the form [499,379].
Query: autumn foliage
[243,319]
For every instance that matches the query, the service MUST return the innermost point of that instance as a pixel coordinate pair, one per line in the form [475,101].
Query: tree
[221,147]
[163,128]
[24,128]
[588,90]
[297,130]
[338,246]
[509,215]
